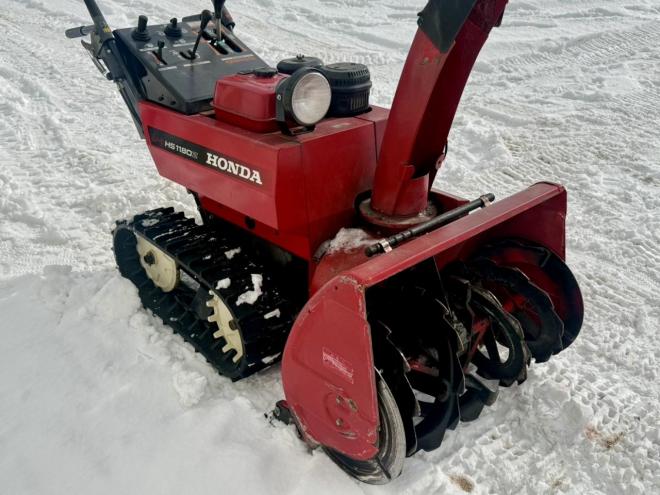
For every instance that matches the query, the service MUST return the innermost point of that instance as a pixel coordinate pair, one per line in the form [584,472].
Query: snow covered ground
[97,396]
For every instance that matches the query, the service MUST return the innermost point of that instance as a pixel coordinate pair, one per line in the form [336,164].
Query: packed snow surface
[98,396]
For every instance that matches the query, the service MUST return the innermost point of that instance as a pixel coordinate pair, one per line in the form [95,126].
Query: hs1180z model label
[203,156]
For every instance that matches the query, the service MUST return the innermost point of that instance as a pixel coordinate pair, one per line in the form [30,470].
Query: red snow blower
[396,310]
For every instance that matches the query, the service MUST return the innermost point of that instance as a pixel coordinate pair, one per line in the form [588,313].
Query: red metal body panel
[423,110]
[334,322]
[309,181]
[328,364]
[379,117]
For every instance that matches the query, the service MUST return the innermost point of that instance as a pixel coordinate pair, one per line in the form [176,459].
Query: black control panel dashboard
[159,58]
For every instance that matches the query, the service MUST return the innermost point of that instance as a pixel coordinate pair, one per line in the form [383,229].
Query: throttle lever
[205,18]
[218,7]
[159,52]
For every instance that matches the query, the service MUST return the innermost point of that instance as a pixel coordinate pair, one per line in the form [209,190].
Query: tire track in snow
[71,161]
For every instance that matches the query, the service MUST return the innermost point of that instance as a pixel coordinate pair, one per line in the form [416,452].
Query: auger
[396,310]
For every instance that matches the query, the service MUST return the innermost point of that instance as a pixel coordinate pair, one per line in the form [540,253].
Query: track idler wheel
[227,329]
[388,463]
[161,269]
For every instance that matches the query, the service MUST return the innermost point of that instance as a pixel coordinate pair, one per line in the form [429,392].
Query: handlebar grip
[218,5]
[78,32]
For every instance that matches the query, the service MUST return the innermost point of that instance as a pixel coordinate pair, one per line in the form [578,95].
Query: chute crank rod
[386,245]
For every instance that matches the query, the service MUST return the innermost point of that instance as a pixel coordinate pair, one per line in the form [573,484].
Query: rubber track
[200,252]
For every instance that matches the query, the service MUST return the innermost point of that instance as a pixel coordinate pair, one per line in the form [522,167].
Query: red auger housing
[380,295]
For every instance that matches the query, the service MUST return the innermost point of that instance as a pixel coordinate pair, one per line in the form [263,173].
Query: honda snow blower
[396,310]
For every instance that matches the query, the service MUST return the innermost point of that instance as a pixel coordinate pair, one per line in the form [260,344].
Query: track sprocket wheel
[526,302]
[227,330]
[388,463]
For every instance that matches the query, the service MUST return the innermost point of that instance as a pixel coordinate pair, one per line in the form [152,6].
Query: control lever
[172,30]
[205,18]
[140,33]
[159,53]
[218,7]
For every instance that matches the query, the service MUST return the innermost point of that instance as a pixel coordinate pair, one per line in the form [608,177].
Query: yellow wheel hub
[160,267]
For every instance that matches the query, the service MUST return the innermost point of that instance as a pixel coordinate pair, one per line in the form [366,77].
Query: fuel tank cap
[265,72]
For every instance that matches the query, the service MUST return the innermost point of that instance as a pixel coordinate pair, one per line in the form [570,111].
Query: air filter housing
[290,65]
[351,85]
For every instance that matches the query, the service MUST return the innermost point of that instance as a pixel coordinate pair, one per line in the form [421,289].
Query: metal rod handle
[102,29]
[386,245]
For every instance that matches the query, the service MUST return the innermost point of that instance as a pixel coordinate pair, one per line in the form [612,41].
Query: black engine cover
[290,65]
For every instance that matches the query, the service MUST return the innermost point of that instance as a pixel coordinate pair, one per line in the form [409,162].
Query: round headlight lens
[311,97]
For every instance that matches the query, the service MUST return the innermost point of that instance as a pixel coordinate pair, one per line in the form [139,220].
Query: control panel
[177,64]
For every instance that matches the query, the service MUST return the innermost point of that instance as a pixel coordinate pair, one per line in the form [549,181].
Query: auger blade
[502,353]
[443,413]
[547,271]
[526,302]
[477,396]
[394,367]
[420,346]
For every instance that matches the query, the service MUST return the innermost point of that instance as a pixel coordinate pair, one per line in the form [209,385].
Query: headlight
[311,97]
[304,97]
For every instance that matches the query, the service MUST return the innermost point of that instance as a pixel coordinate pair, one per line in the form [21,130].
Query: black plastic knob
[140,33]
[205,18]
[172,29]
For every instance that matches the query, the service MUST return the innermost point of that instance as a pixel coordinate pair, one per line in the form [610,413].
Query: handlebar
[103,31]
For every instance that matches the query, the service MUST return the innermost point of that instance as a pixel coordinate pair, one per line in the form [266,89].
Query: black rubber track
[200,252]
